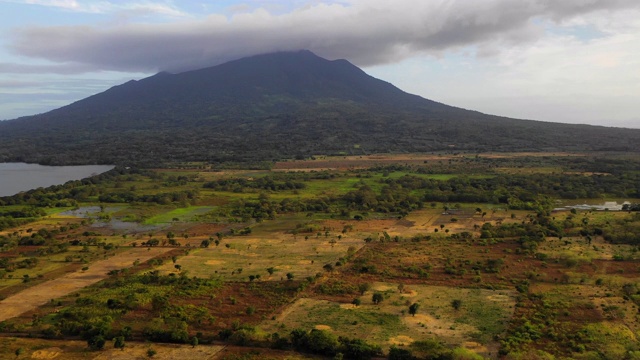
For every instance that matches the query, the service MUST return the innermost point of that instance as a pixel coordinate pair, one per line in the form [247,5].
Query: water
[17,177]
[92,212]
[598,205]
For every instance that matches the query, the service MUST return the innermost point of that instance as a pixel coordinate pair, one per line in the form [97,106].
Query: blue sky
[569,61]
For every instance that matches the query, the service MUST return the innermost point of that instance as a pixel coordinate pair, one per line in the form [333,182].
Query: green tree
[396,353]
[126,332]
[413,309]
[159,302]
[364,287]
[456,304]
[194,341]
[118,342]
[96,342]
[377,298]
[322,342]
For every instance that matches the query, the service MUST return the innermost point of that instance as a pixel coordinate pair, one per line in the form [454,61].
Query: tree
[126,332]
[118,342]
[96,343]
[456,304]
[271,270]
[364,287]
[377,298]
[413,309]
[19,352]
[178,267]
[289,276]
[356,302]
[194,341]
[396,353]
[159,302]
[151,352]
[205,243]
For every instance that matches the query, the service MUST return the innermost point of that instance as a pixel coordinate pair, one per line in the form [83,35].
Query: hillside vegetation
[271,107]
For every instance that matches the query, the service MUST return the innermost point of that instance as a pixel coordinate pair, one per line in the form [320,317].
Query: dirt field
[38,295]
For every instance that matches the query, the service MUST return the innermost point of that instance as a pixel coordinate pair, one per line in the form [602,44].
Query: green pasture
[181,214]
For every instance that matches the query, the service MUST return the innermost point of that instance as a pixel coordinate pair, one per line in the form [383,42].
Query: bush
[96,343]
[396,353]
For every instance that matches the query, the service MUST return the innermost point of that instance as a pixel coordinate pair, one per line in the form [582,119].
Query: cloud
[104,7]
[61,69]
[577,75]
[366,32]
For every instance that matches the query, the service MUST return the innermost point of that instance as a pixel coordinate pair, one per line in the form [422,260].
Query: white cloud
[365,32]
[105,7]
[558,77]
[569,60]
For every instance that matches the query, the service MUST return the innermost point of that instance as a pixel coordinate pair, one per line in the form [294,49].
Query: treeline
[325,343]
[13,218]
[518,190]
[160,198]
[264,208]
[267,183]
[622,231]
[10,222]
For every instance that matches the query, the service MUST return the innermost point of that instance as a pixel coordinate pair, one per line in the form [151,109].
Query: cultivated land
[438,255]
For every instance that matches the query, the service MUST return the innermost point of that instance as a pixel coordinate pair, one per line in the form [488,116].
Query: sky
[573,61]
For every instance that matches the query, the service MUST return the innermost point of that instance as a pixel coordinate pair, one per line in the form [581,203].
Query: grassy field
[509,277]
[180,214]
[482,315]
[270,245]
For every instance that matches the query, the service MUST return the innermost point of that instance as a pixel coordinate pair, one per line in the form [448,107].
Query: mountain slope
[272,106]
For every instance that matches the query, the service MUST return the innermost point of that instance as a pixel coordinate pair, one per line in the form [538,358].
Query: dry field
[483,314]
[40,294]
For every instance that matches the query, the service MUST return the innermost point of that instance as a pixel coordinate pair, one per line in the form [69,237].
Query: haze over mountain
[271,106]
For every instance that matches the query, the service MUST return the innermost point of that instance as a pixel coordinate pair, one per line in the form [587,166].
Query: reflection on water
[94,213]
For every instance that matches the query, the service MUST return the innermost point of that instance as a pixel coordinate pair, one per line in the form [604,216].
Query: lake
[17,177]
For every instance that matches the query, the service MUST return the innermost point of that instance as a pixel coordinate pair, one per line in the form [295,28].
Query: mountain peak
[270,106]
